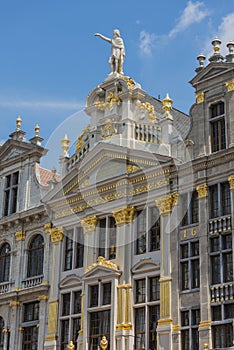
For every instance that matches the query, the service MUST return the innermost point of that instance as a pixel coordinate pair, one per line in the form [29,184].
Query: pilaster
[164,329]
[14,313]
[205,324]
[89,228]
[56,235]
[124,327]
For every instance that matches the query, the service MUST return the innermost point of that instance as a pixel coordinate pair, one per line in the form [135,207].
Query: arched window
[5,259]
[35,256]
[1,333]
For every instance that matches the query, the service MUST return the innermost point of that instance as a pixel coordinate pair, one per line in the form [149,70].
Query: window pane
[94,295]
[154,315]
[75,329]
[140,328]
[185,340]
[185,276]
[66,304]
[216,313]
[30,338]
[184,209]
[106,293]
[194,248]
[194,208]
[140,291]
[184,251]
[102,237]
[222,336]
[227,241]
[227,267]
[99,326]
[195,317]
[68,254]
[64,334]
[36,256]
[112,239]
[5,259]
[31,311]
[185,318]
[141,232]
[229,311]
[214,204]
[195,273]
[77,302]
[225,198]
[154,229]
[154,289]
[215,245]
[215,268]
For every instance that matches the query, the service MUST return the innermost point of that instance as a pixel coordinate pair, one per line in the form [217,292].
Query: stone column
[89,227]
[42,319]
[6,333]
[81,331]
[205,323]
[164,329]
[124,328]
[14,307]
[231,183]
[56,235]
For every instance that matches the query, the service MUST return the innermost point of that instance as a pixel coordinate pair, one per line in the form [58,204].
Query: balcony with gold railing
[220,224]
[220,293]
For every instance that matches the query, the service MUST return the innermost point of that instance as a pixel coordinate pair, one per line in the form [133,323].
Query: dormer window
[218,135]
[11,192]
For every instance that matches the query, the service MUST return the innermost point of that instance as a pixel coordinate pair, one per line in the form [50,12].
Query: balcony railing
[147,133]
[5,287]
[222,292]
[221,224]
[32,281]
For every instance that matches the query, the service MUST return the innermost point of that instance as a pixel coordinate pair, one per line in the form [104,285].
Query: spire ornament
[166,104]
[18,123]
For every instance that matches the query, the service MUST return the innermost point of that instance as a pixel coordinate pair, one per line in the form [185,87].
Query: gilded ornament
[123,215]
[104,343]
[56,234]
[101,261]
[200,97]
[175,328]
[230,85]
[202,190]
[89,224]
[108,130]
[65,146]
[71,346]
[79,143]
[20,235]
[166,104]
[111,101]
[146,106]
[166,203]
[165,321]
[42,297]
[231,182]
[130,82]
[18,123]
[130,168]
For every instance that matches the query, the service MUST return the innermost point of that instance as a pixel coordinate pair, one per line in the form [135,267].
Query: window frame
[73,249]
[35,255]
[188,330]
[11,194]
[189,275]
[5,260]
[218,139]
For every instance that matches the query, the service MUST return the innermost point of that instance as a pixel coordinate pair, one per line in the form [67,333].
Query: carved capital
[89,224]
[205,324]
[231,182]
[202,190]
[42,297]
[20,235]
[166,203]
[14,303]
[47,227]
[230,85]
[56,234]
[200,97]
[124,215]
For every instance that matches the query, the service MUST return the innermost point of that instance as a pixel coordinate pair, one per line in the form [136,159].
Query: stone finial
[70,345]
[201,58]
[18,123]
[53,170]
[65,146]
[37,130]
[216,54]
[166,104]
[216,45]
[230,56]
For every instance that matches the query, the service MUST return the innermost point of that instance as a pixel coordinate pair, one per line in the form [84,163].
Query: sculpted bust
[117,52]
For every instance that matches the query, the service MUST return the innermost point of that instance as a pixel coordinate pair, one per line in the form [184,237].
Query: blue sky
[50,59]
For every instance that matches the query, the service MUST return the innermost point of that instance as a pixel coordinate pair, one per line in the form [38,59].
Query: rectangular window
[11,193]
[77,302]
[140,328]
[190,320]
[221,258]
[66,300]
[102,237]
[154,229]
[112,239]
[68,254]
[99,327]
[79,247]
[31,312]
[190,265]
[222,336]
[154,316]
[189,208]
[217,121]
[141,232]
[30,338]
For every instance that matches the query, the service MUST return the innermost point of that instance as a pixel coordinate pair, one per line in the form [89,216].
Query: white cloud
[225,33]
[147,42]
[67,105]
[194,12]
